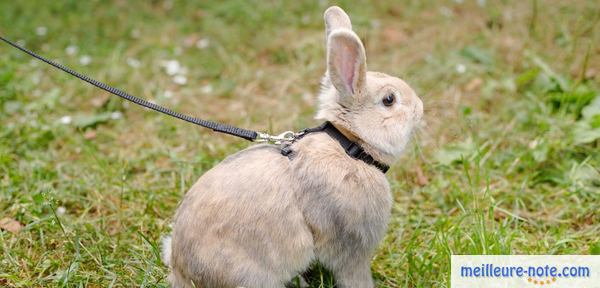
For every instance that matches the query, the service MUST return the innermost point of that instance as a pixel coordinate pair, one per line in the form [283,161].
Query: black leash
[223,128]
[352,149]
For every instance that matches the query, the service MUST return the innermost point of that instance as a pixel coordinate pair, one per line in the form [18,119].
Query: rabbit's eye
[389,100]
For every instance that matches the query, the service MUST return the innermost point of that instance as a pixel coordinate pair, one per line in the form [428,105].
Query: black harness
[352,148]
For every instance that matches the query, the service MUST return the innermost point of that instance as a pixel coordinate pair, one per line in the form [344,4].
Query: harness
[351,148]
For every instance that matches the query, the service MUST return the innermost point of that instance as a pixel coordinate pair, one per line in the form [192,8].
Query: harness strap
[353,149]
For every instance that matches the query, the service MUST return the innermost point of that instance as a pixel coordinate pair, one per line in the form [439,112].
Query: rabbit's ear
[336,18]
[346,62]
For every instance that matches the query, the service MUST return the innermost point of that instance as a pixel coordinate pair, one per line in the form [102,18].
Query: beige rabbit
[259,218]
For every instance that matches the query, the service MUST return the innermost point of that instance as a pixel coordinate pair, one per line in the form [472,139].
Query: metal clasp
[287,136]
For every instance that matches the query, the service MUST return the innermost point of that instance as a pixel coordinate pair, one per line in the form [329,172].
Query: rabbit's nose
[418,110]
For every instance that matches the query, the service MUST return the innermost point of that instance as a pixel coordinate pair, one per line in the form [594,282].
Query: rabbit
[259,218]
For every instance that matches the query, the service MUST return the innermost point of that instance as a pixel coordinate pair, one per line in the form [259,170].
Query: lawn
[506,161]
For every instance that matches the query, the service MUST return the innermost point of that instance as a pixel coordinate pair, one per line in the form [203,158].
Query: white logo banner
[523,271]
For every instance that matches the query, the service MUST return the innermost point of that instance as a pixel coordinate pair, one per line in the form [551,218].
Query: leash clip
[287,136]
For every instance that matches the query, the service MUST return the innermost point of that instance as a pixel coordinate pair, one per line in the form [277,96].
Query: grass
[507,160]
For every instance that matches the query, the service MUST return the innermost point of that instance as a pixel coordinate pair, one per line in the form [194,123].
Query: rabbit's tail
[175,278]
[166,250]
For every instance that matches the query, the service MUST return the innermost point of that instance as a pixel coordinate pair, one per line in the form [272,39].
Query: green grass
[507,160]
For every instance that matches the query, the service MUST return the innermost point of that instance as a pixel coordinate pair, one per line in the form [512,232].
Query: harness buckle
[287,136]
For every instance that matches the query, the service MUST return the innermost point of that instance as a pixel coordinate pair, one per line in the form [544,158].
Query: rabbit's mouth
[386,142]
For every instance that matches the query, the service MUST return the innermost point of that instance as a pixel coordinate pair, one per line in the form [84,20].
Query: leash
[250,135]
[351,148]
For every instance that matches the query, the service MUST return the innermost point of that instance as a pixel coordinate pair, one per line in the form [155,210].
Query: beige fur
[259,218]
